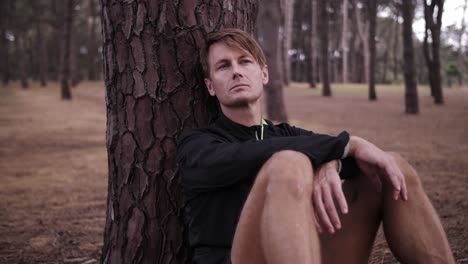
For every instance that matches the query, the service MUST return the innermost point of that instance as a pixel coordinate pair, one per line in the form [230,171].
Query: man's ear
[209,85]
[265,74]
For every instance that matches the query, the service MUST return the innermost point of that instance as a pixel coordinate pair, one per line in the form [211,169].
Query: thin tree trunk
[287,33]
[396,64]
[372,4]
[385,66]
[65,74]
[326,90]
[432,53]
[411,92]
[313,44]
[363,29]
[42,55]
[92,51]
[154,91]
[460,58]
[354,41]
[345,42]
[269,22]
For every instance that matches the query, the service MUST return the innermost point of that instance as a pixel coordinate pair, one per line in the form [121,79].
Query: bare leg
[353,243]
[275,225]
[412,228]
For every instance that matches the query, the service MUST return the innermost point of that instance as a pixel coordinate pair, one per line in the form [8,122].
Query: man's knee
[412,179]
[289,171]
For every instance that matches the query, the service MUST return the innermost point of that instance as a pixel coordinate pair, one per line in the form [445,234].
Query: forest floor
[53,161]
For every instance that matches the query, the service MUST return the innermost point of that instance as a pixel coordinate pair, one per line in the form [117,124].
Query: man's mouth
[239,85]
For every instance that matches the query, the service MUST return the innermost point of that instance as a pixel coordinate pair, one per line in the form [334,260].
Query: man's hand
[375,162]
[327,189]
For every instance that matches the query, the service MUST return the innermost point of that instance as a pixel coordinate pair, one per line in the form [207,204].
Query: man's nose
[236,70]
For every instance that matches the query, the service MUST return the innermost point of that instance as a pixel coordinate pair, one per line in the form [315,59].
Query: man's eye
[245,61]
[222,66]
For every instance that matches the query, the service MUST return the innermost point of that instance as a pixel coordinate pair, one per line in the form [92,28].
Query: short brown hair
[234,38]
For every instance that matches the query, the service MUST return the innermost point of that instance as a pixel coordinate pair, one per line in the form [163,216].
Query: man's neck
[248,116]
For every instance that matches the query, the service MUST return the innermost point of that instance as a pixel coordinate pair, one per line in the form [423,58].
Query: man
[263,193]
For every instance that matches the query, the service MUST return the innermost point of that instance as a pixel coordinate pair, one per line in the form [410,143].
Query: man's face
[236,79]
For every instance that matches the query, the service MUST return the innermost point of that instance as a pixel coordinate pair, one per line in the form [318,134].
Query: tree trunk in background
[396,64]
[154,90]
[268,24]
[6,9]
[93,55]
[65,73]
[353,51]
[372,7]
[313,44]
[323,32]
[345,42]
[21,58]
[55,43]
[432,53]
[460,58]
[42,56]
[411,92]
[288,11]
[74,70]
[363,29]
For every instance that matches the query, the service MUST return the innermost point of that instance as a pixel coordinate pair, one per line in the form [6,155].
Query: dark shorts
[209,255]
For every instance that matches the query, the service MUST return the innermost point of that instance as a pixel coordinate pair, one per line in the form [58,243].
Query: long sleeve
[209,162]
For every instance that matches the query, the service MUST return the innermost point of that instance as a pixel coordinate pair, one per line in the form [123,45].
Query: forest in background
[146,51]
[34,39]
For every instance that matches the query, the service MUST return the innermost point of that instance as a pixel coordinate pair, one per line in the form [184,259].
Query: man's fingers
[395,176]
[340,198]
[317,224]
[322,214]
[331,208]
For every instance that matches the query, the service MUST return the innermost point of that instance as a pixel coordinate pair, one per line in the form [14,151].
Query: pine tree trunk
[154,90]
[42,55]
[372,4]
[363,29]
[287,34]
[269,22]
[345,42]
[432,53]
[65,74]
[396,64]
[461,58]
[326,91]
[92,51]
[313,44]
[411,92]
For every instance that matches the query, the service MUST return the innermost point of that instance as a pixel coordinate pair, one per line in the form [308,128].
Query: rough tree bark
[154,90]
[268,24]
[432,53]
[65,72]
[372,7]
[345,42]
[313,44]
[326,91]
[411,92]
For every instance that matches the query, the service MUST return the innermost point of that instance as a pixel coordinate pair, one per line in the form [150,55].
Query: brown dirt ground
[53,162]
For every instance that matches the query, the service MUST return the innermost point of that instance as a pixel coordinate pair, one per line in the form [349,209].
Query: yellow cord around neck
[262,123]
